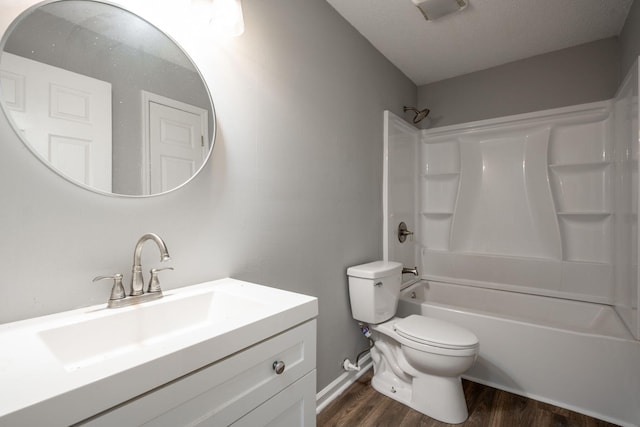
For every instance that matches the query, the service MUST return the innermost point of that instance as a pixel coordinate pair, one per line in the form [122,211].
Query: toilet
[417,360]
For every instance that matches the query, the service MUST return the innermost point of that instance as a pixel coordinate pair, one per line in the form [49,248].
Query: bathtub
[572,354]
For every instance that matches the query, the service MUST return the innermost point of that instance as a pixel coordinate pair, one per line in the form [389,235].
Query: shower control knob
[278,366]
[403,232]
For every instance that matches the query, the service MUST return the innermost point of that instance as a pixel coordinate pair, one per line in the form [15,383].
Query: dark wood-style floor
[361,405]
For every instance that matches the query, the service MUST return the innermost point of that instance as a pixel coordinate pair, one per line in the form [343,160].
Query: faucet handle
[154,282]
[117,291]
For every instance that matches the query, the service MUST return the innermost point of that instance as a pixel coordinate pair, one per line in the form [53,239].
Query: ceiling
[485,34]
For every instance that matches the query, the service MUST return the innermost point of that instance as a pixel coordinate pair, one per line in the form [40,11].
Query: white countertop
[40,383]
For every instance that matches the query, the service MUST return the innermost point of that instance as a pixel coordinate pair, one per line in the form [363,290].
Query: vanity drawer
[221,393]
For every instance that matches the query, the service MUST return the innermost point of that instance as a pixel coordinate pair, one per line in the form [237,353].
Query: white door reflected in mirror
[176,146]
[65,116]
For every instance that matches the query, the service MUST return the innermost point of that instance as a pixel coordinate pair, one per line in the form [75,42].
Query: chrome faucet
[413,271]
[137,281]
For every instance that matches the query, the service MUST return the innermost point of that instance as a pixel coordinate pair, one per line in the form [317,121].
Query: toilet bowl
[424,373]
[417,360]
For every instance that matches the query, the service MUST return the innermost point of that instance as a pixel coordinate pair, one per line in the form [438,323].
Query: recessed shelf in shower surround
[580,142]
[435,229]
[581,187]
[585,236]
[436,213]
[586,214]
[440,158]
[441,175]
[580,166]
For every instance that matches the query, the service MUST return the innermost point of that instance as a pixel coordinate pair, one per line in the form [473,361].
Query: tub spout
[413,271]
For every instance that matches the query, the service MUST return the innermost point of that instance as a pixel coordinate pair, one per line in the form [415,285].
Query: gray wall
[291,198]
[576,75]
[630,39]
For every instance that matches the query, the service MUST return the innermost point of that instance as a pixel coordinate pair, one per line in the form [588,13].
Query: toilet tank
[374,290]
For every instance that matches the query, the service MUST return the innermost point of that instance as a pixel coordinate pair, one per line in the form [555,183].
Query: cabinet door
[295,406]
[222,392]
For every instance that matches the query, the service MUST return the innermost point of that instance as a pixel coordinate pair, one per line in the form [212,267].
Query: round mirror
[105,98]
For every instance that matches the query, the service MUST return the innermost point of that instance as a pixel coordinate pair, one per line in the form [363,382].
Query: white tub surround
[67,367]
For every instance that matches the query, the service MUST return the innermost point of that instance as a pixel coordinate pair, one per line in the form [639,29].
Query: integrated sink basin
[94,358]
[116,332]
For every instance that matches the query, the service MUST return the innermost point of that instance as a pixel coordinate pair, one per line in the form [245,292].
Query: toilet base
[440,398]
[392,386]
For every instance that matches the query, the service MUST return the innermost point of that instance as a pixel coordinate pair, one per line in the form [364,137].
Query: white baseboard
[340,384]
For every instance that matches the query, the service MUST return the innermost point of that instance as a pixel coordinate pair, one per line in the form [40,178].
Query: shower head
[420,114]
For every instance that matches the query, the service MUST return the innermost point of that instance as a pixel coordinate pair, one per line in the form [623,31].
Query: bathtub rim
[625,333]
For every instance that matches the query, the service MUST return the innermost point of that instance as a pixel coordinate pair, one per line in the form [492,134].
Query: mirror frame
[7,112]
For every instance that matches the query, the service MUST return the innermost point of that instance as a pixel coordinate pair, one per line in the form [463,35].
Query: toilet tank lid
[375,270]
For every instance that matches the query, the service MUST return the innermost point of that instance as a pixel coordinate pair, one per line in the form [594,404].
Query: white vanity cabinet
[242,389]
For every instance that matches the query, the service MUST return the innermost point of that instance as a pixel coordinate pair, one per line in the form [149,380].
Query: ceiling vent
[434,9]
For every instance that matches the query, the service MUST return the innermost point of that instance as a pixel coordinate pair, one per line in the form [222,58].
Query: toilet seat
[435,333]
